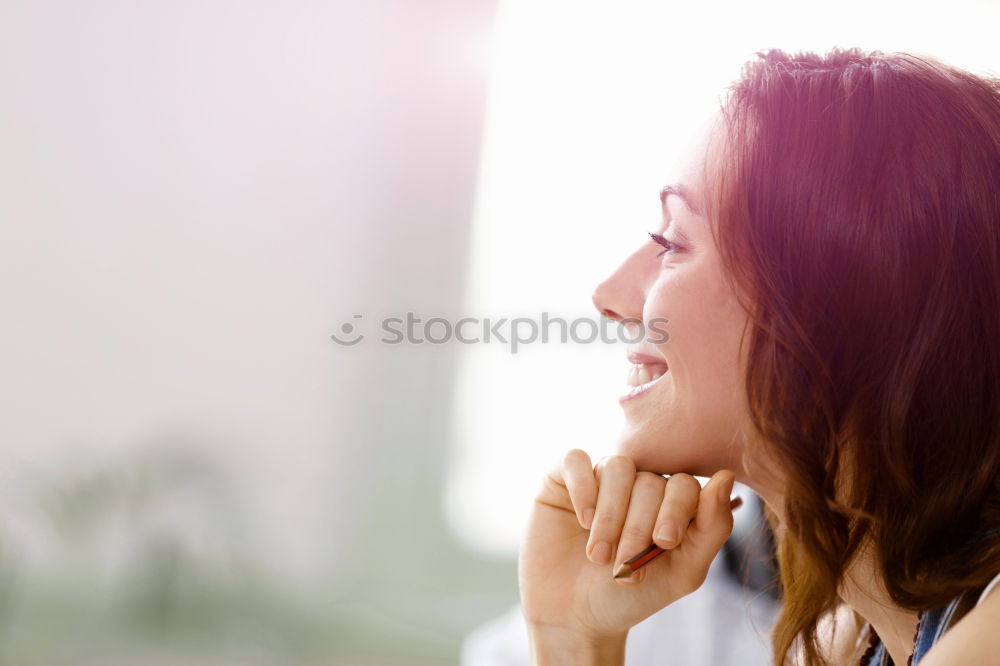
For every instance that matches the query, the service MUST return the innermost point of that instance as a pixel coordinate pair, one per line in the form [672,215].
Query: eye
[669,247]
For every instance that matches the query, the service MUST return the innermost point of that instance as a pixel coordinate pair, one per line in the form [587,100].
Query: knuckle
[679,508]
[552,492]
[648,480]
[684,482]
[636,533]
[686,504]
[620,463]
[553,478]
[603,523]
[576,456]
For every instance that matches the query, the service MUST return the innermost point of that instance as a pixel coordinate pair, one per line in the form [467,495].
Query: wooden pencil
[633,564]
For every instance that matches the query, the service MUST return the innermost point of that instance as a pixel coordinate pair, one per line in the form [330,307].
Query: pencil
[632,565]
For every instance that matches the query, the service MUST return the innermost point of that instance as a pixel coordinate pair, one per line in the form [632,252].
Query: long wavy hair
[857,212]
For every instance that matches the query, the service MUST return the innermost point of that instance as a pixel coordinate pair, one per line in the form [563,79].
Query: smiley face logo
[347,328]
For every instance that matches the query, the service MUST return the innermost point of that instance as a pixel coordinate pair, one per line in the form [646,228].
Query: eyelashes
[669,247]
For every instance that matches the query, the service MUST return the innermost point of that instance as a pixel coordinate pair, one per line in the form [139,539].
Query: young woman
[829,264]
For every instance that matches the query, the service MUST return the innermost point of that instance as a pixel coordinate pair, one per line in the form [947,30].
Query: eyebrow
[682,192]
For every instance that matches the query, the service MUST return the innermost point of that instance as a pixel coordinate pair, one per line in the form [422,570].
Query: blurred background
[194,196]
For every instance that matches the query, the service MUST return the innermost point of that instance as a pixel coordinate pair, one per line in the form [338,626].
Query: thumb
[712,524]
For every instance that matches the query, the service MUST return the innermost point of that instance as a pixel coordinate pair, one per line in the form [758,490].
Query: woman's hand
[588,520]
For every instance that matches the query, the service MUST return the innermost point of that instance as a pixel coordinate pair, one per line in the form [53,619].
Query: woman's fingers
[677,510]
[615,477]
[712,525]
[578,474]
[713,521]
[646,499]
[625,510]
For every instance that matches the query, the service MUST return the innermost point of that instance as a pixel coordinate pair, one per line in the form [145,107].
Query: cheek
[698,305]
[682,298]
[705,323]
[667,299]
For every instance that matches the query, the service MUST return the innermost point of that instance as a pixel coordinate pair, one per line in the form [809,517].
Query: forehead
[698,163]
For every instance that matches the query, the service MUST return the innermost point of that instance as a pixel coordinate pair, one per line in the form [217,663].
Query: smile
[642,377]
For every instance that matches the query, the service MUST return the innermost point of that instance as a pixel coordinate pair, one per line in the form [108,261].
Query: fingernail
[726,490]
[601,554]
[588,518]
[667,533]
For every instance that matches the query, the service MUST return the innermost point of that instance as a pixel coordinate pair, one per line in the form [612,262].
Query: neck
[864,592]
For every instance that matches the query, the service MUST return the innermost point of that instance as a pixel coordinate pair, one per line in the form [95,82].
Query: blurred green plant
[146,554]
[146,560]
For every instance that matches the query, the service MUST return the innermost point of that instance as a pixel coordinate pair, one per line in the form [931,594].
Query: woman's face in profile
[688,419]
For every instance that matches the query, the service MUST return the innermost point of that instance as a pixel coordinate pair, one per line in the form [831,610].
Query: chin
[654,453]
[649,453]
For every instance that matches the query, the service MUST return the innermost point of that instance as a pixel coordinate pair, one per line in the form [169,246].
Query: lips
[646,370]
[652,363]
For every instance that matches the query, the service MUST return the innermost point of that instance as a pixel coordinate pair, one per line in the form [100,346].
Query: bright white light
[589,106]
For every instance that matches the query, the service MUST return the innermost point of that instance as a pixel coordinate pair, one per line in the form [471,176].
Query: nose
[601,297]
[622,295]
[606,312]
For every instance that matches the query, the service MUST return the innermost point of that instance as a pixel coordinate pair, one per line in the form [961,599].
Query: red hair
[858,211]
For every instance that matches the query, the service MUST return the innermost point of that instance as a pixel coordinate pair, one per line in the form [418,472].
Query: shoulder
[973,640]
[839,635]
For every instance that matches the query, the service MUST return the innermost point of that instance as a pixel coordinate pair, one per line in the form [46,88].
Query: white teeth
[640,374]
